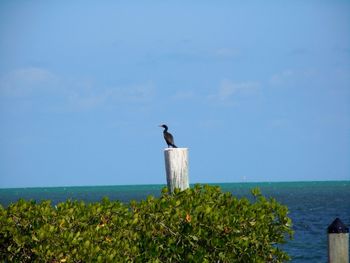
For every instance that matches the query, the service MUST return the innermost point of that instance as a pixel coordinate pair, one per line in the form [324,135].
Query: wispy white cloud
[93,97]
[293,77]
[142,92]
[229,91]
[26,81]
[77,94]
[282,77]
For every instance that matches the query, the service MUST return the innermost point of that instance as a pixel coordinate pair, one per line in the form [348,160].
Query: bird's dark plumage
[168,137]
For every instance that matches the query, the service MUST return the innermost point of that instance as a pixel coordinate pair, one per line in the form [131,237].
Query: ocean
[312,206]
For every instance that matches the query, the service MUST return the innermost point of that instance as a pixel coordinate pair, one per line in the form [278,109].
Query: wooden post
[338,242]
[176,166]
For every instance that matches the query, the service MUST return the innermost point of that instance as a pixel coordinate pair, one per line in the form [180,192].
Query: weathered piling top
[338,227]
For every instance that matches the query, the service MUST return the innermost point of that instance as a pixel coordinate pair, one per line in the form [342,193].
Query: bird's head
[163,126]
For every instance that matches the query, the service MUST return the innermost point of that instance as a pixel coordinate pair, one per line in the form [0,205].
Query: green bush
[201,224]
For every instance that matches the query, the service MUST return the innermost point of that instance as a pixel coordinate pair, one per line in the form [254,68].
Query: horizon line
[164,184]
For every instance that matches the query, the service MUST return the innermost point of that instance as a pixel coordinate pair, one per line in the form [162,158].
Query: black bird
[168,137]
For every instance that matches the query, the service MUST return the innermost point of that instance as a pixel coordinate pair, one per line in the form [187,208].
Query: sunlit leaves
[201,224]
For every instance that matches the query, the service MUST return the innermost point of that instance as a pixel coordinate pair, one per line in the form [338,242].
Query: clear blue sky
[257,90]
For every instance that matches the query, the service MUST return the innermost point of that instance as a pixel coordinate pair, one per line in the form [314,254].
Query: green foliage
[201,224]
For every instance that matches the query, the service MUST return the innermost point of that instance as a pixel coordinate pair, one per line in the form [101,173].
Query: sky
[258,91]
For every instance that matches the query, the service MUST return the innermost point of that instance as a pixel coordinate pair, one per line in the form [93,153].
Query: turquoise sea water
[312,205]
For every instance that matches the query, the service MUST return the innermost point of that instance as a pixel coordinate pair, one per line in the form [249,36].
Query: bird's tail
[173,145]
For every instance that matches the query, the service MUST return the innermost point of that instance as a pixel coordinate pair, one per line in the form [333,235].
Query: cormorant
[168,137]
